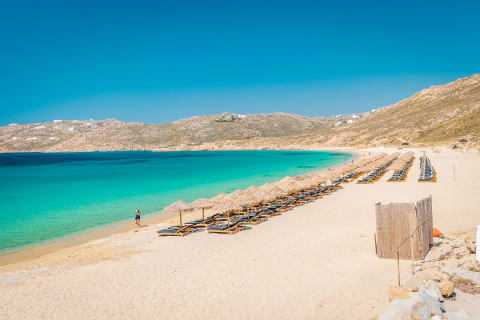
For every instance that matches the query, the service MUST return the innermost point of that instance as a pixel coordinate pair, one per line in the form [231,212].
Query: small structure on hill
[404,230]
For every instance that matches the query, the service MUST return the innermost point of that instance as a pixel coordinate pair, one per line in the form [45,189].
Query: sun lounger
[177,231]
[253,218]
[203,223]
[235,226]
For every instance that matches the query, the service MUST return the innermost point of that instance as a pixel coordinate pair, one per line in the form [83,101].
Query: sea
[44,196]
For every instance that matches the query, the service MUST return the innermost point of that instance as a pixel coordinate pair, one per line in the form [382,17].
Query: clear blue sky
[157,61]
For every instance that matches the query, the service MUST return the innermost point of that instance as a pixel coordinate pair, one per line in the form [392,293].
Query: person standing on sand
[137,217]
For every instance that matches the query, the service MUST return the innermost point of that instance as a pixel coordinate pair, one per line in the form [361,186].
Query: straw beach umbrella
[218,198]
[252,189]
[178,206]
[288,184]
[203,204]
[240,197]
[262,196]
[227,206]
[273,191]
[243,198]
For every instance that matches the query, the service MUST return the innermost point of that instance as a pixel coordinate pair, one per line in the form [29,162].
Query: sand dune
[316,261]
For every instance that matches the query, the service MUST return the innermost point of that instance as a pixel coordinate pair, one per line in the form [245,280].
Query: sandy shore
[316,261]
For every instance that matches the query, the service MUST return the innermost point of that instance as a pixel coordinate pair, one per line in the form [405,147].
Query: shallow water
[45,196]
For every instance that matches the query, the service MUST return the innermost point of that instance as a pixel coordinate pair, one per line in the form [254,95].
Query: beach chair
[203,223]
[177,231]
[253,218]
[235,226]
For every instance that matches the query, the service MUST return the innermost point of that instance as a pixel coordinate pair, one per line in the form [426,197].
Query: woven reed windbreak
[406,227]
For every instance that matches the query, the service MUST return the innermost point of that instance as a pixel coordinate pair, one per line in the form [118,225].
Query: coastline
[305,260]
[324,247]
[103,232]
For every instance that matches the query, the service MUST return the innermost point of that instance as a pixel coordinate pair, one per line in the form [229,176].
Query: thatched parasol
[401,161]
[218,198]
[241,197]
[179,206]
[252,189]
[262,196]
[310,183]
[331,175]
[272,191]
[203,204]
[227,206]
[288,184]
[320,177]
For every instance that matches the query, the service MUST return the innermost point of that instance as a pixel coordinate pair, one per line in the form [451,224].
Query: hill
[440,115]
[111,134]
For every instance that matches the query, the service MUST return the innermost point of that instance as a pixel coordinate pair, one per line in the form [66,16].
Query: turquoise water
[45,196]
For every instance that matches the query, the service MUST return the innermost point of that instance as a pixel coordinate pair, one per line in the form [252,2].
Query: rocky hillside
[111,134]
[440,115]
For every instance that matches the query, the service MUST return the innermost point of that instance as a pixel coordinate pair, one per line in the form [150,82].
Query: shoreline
[98,233]
[316,261]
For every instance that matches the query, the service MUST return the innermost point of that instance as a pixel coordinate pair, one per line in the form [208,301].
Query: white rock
[403,309]
[446,250]
[432,297]
[414,284]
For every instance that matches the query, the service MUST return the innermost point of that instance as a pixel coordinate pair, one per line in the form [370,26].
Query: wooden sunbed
[231,228]
[177,231]
[203,223]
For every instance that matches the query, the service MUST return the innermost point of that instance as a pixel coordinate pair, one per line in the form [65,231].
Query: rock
[412,308]
[471,265]
[414,284]
[450,263]
[397,292]
[444,277]
[460,274]
[432,275]
[431,289]
[470,239]
[446,288]
[446,250]
[435,306]
[472,247]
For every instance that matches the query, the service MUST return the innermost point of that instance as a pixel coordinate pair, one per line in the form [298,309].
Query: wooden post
[375,240]
[203,213]
[398,267]
[181,224]
[411,252]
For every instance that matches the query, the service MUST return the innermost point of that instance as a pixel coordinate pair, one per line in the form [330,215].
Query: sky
[159,61]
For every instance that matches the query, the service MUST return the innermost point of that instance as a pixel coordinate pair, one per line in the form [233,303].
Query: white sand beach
[316,261]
